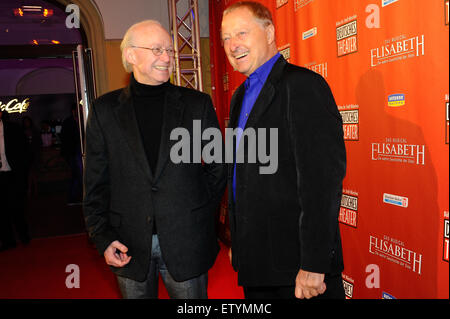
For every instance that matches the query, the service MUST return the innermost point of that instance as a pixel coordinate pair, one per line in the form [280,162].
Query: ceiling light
[33,11]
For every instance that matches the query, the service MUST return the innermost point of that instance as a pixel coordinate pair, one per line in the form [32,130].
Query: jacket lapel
[235,110]
[236,105]
[261,104]
[267,93]
[172,116]
[263,101]
[126,117]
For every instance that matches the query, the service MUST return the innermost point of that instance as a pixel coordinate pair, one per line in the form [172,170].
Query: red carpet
[38,271]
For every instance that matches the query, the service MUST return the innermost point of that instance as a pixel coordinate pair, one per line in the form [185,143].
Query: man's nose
[165,56]
[234,44]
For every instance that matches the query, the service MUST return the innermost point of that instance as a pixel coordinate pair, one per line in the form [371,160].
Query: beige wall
[117,77]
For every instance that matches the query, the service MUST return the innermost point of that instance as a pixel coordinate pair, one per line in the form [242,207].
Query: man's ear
[270,34]
[130,55]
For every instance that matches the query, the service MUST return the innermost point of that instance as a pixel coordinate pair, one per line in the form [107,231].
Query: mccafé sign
[14,106]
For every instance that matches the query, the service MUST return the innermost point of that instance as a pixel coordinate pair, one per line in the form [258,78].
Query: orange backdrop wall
[387,63]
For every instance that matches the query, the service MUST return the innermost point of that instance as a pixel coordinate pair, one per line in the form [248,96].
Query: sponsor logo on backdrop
[394,250]
[396,100]
[387,2]
[398,150]
[347,36]
[320,68]
[395,200]
[447,11]
[298,4]
[225,82]
[285,51]
[348,286]
[447,138]
[348,213]
[350,121]
[446,230]
[397,49]
[281,3]
[385,295]
[309,34]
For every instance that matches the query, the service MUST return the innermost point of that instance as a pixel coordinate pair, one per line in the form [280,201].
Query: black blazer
[287,221]
[123,197]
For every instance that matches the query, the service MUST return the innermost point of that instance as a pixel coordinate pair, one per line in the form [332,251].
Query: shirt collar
[261,73]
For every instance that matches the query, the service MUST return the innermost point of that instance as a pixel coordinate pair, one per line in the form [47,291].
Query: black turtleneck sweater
[148,101]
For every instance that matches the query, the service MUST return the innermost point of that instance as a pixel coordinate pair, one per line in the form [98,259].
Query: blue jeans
[195,288]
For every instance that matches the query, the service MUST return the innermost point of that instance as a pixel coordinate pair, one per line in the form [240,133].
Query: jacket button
[155,189]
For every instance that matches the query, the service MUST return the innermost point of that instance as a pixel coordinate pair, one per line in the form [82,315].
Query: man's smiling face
[246,41]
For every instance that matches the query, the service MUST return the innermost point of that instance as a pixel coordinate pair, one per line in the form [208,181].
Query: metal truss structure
[185,29]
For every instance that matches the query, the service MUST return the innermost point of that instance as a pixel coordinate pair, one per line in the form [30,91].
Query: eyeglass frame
[159,50]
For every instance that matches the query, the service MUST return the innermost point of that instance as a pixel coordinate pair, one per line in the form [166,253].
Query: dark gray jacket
[123,197]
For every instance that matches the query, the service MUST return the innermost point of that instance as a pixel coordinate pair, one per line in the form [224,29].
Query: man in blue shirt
[253,86]
[284,226]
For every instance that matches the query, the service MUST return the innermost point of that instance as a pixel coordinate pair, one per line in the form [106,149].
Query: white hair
[129,37]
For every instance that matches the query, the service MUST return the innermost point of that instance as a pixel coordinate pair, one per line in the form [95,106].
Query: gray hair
[260,12]
[129,37]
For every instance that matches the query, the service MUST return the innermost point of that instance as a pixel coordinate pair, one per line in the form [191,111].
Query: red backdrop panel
[387,63]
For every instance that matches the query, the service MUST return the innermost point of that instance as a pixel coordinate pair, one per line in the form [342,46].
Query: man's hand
[230,255]
[309,284]
[116,258]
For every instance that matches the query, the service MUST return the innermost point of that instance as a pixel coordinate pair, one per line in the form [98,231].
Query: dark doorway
[37,88]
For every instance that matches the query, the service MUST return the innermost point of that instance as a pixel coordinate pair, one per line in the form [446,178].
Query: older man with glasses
[146,214]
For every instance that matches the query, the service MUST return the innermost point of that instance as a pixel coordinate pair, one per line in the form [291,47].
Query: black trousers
[12,209]
[335,290]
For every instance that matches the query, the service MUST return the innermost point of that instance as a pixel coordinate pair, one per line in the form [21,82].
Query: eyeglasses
[157,51]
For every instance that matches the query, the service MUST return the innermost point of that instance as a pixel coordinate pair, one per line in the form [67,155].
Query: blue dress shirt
[253,86]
